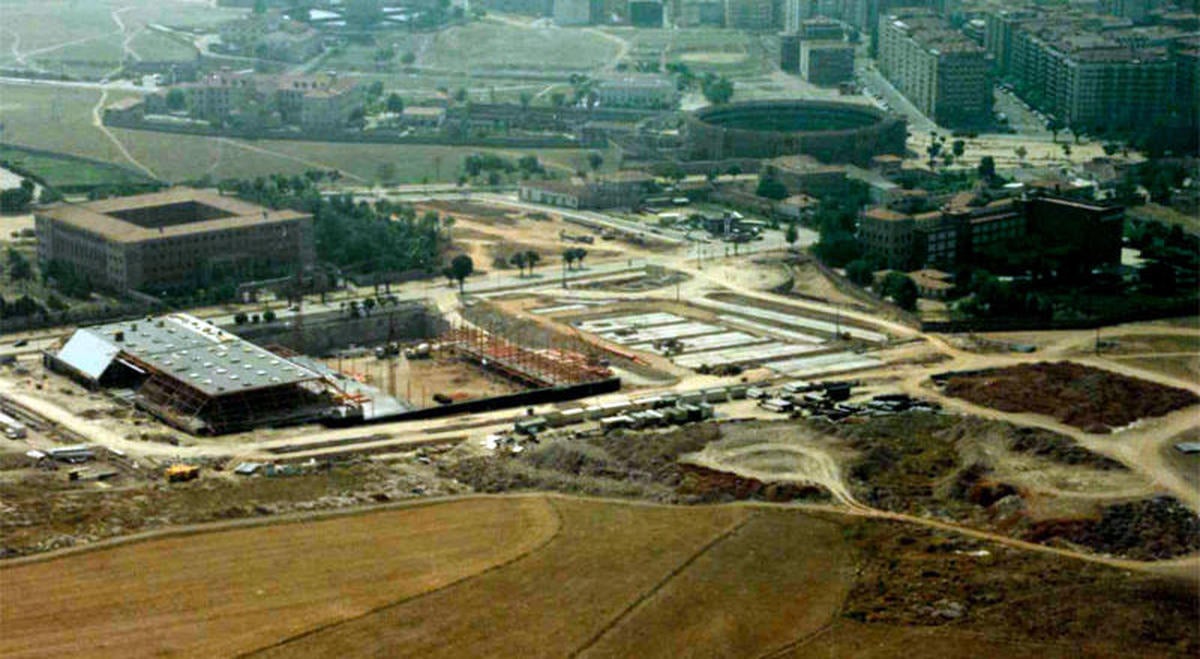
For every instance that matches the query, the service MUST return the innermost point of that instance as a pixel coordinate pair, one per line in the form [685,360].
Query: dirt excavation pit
[1091,399]
[778,453]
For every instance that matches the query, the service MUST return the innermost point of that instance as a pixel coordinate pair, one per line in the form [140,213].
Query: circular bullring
[829,131]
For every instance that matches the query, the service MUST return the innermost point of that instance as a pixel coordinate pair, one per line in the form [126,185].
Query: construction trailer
[195,376]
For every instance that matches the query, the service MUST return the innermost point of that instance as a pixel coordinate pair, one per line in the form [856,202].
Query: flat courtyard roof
[124,219]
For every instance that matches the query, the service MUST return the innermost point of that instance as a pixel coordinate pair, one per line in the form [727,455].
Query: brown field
[229,592]
[551,577]
[547,605]
[781,576]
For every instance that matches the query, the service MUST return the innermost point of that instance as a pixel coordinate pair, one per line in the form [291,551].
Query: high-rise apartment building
[942,72]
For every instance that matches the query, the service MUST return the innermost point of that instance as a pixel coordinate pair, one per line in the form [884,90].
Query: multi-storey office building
[181,237]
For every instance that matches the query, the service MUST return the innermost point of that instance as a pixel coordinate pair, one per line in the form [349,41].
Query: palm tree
[532,258]
[519,260]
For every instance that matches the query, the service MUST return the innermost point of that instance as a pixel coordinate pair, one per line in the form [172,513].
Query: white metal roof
[186,348]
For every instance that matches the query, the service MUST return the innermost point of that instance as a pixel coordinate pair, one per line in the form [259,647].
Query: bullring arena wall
[829,131]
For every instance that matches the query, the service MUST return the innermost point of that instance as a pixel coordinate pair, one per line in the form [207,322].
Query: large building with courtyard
[177,238]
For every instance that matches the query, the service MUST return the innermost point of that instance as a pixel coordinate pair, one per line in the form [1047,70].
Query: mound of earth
[710,485]
[1144,530]
[1087,398]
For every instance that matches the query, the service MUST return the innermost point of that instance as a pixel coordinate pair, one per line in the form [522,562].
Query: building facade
[826,63]
[1086,234]
[1086,73]
[638,90]
[180,237]
[945,75]
[756,15]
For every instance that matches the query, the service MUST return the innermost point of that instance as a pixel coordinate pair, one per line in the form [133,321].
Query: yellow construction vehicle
[179,473]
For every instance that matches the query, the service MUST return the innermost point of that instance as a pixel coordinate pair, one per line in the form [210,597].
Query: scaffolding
[552,366]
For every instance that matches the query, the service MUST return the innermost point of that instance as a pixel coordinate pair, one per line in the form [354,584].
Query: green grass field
[55,119]
[61,171]
[60,120]
[156,46]
[495,47]
[83,38]
[725,52]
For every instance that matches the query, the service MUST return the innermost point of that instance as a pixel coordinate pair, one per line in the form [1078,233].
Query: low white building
[637,90]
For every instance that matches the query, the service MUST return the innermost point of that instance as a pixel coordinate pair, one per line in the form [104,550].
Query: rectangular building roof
[188,349]
[102,217]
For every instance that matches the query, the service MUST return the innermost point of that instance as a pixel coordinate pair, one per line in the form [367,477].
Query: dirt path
[307,163]
[98,122]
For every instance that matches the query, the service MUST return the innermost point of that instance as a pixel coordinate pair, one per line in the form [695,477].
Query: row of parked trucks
[643,412]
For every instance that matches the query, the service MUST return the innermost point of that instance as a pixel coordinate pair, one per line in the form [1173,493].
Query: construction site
[203,380]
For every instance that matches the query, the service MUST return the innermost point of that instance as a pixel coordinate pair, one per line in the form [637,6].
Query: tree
[1021,152]
[595,160]
[711,176]
[958,148]
[1066,149]
[1055,126]
[519,259]
[530,164]
[407,59]
[394,103]
[558,99]
[580,255]
[734,170]
[461,267]
[860,272]
[19,268]
[268,316]
[260,7]
[375,90]
[933,150]
[901,289]
[176,99]
[460,95]
[568,257]
[532,258]
[17,200]
[525,98]
[1111,148]
[240,318]
[791,235]
[987,168]
[770,188]
[717,90]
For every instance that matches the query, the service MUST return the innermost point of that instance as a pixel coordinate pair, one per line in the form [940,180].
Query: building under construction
[202,379]
[198,377]
[537,369]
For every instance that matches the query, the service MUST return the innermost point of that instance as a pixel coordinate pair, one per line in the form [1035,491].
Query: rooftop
[885,214]
[174,212]
[187,349]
